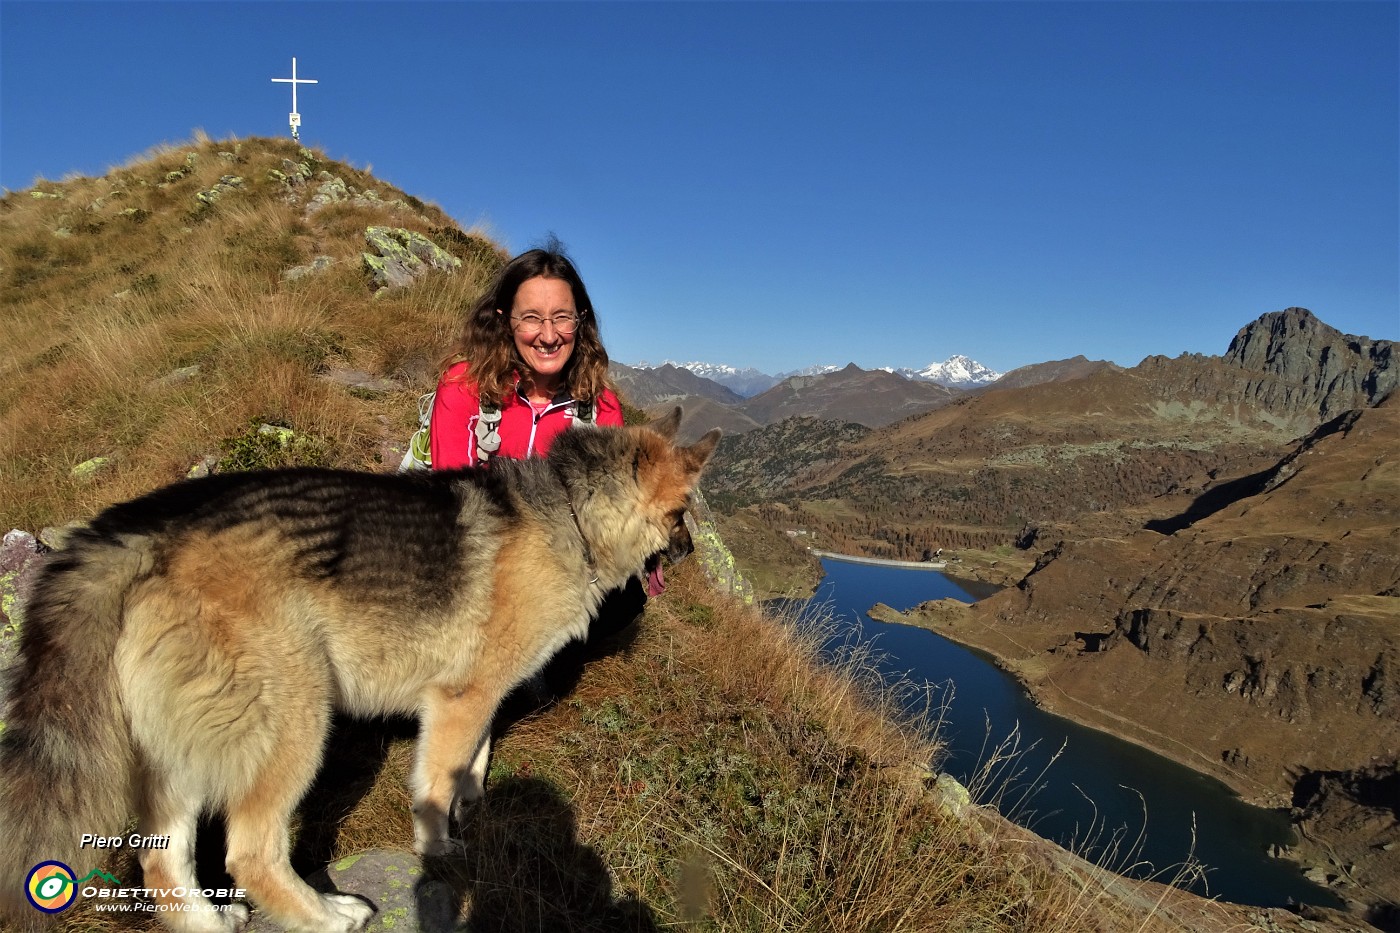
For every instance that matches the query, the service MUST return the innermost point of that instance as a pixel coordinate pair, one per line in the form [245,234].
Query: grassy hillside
[146,318]
[709,775]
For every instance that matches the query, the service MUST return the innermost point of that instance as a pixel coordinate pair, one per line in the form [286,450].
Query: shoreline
[1309,853]
[940,565]
[1040,694]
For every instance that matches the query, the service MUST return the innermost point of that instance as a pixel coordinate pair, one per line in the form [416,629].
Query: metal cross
[294,117]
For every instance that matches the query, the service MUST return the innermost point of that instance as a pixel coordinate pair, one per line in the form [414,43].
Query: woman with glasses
[528,363]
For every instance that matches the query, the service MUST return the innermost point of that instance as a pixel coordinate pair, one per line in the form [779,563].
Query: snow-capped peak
[958,371]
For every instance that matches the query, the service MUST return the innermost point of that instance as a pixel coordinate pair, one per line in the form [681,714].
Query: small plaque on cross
[294,118]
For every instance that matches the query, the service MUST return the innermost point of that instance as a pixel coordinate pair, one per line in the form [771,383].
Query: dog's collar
[588,560]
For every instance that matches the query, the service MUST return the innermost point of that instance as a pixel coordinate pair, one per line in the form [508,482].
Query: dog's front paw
[461,807]
[229,918]
[237,916]
[344,913]
[433,848]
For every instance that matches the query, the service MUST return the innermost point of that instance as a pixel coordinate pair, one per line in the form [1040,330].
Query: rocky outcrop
[225,184]
[402,255]
[1316,368]
[19,565]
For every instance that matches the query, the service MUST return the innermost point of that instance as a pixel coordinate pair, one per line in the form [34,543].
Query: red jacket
[523,432]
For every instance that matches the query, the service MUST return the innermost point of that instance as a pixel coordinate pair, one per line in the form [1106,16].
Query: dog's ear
[696,454]
[669,425]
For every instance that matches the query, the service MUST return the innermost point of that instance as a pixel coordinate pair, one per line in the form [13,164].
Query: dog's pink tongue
[656,581]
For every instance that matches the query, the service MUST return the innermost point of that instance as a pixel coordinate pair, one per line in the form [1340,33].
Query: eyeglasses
[563,322]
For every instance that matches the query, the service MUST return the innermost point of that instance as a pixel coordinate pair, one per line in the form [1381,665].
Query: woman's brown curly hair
[489,346]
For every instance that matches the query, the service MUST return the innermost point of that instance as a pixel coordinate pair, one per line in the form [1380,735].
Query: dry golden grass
[125,280]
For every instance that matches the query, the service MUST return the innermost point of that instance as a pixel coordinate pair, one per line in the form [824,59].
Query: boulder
[402,255]
[393,881]
[19,564]
[317,265]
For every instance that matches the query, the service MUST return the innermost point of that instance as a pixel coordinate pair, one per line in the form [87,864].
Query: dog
[185,652]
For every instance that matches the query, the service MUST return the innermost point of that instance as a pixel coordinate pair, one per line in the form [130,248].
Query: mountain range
[1049,443]
[872,398]
[957,372]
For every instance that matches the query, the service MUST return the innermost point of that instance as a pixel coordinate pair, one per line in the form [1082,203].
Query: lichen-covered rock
[56,537]
[331,191]
[361,381]
[203,468]
[294,173]
[319,264]
[402,255]
[284,436]
[89,468]
[225,185]
[393,881]
[175,377]
[19,564]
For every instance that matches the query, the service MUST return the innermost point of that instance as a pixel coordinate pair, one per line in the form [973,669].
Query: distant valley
[1201,550]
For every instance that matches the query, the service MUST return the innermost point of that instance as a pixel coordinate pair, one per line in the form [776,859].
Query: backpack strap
[488,432]
[419,455]
[585,412]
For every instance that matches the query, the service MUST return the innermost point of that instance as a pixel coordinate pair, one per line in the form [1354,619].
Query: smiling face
[545,350]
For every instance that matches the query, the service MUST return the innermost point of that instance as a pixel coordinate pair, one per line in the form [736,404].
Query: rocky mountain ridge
[1052,371]
[982,468]
[745,383]
[1315,367]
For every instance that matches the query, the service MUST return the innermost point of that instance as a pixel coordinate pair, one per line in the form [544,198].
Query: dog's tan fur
[186,653]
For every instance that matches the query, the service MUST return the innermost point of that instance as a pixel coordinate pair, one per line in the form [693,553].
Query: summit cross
[295,118]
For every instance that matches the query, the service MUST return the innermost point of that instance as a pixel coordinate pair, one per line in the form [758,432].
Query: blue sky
[783,184]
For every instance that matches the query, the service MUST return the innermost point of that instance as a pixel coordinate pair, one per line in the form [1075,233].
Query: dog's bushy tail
[66,756]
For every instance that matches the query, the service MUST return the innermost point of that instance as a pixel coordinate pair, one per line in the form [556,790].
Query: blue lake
[1129,809]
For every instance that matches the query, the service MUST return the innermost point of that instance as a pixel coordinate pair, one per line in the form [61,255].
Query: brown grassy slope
[119,283]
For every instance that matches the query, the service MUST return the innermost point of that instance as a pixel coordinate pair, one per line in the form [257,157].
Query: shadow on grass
[524,868]
[355,753]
